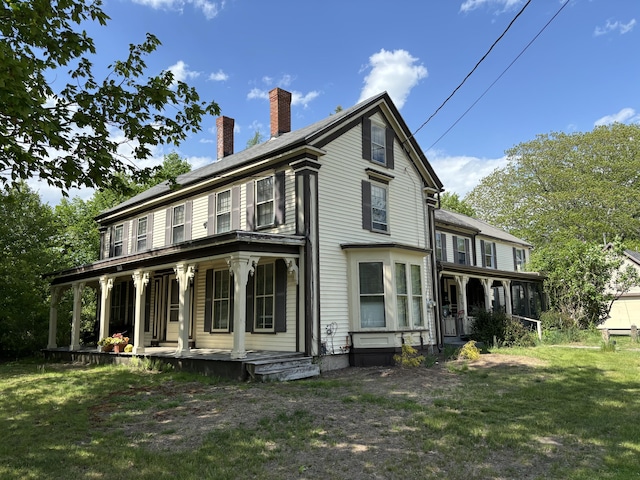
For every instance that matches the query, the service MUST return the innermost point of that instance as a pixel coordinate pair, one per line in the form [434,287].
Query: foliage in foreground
[501,329]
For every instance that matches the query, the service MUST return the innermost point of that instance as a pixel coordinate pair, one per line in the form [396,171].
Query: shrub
[469,351]
[409,357]
[506,331]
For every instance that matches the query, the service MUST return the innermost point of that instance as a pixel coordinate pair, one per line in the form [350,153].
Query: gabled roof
[454,219]
[277,145]
[633,256]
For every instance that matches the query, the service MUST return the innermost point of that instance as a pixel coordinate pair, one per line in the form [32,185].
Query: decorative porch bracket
[184,276]
[240,267]
[140,282]
[106,285]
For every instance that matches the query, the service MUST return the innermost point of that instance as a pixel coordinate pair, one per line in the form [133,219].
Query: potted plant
[115,343]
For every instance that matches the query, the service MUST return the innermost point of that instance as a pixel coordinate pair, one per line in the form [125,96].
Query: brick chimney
[280,101]
[225,136]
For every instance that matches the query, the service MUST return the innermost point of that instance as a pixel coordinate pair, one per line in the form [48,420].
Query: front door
[173,305]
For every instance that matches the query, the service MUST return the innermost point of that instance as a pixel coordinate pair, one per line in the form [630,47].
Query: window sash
[371,283]
[265,202]
[378,144]
[264,297]
[223,211]
[118,240]
[402,296]
[221,300]
[417,313]
[142,234]
[488,254]
[462,251]
[178,224]
[379,208]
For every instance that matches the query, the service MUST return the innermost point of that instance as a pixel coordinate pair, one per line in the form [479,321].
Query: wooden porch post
[462,282]
[506,284]
[77,315]
[486,285]
[56,293]
[240,266]
[140,282]
[106,284]
[184,276]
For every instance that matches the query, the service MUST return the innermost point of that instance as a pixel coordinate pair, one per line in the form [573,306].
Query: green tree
[452,202]
[584,279]
[26,253]
[63,136]
[560,186]
[255,140]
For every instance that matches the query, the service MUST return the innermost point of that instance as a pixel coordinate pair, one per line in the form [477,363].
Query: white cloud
[500,6]
[298,98]
[181,72]
[257,93]
[460,174]
[395,72]
[218,76]
[626,115]
[209,9]
[610,26]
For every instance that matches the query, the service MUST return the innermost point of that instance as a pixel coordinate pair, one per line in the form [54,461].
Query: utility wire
[472,70]
[499,76]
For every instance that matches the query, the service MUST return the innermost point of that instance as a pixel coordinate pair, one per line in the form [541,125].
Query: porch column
[462,282]
[56,293]
[140,282]
[486,285]
[184,276]
[77,315]
[506,284]
[106,284]
[240,266]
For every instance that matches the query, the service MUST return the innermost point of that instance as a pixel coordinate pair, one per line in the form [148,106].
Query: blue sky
[583,69]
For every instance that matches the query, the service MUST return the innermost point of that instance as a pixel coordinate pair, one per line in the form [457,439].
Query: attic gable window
[377,143]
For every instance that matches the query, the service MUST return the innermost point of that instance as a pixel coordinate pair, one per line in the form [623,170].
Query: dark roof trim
[448,267]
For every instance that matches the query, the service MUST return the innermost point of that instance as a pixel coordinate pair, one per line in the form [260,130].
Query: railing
[531,323]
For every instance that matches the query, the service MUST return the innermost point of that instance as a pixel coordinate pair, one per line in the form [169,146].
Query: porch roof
[194,250]
[455,268]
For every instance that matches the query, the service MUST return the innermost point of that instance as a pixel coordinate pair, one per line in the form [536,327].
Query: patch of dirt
[354,413]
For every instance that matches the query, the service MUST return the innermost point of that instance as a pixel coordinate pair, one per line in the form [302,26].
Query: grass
[574,416]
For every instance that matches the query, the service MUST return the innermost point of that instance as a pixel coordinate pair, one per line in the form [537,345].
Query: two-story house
[482,267]
[318,241]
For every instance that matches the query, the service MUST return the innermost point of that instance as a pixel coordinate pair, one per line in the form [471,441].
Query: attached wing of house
[482,267]
[625,311]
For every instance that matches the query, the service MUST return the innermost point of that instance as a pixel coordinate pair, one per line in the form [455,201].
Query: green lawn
[573,415]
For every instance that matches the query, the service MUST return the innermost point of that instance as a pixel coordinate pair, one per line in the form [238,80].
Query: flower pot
[118,348]
[107,348]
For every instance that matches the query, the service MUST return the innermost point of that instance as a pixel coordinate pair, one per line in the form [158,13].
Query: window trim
[409,295]
[488,254]
[139,235]
[376,146]
[519,263]
[259,203]
[215,300]
[175,225]
[227,212]
[441,249]
[382,294]
[368,207]
[118,244]
[271,295]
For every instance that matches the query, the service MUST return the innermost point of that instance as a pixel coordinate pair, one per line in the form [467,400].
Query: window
[264,297]
[177,235]
[379,208]
[378,146]
[118,240]
[142,234]
[441,249]
[174,300]
[488,252]
[406,297]
[221,299]
[371,295]
[265,202]
[223,211]
[461,246]
[518,259]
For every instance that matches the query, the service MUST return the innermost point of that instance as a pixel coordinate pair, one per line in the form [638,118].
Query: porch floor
[207,361]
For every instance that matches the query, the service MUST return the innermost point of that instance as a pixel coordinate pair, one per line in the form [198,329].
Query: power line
[499,77]
[473,69]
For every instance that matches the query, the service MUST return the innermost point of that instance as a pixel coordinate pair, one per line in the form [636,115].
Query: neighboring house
[481,267]
[315,241]
[625,311]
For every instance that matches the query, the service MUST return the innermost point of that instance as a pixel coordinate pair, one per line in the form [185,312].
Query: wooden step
[282,369]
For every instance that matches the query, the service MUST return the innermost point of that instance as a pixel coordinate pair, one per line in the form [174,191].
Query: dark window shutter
[251,208]
[112,241]
[281,296]
[208,300]
[167,227]
[467,248]
[125,238]
[366,205]
[147,308]
[134,235]
[249,311]
[456,257]
[150,231]
[188,219]
[366,139]
[390,135]
[443,241]
[482,252]
[211,214]
[279,197]
[235,208]
[495,257]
